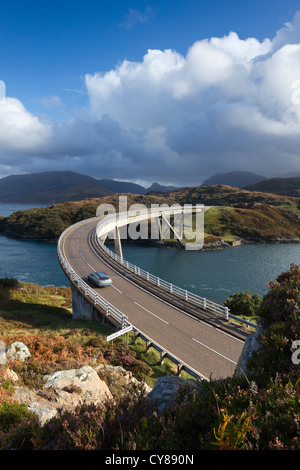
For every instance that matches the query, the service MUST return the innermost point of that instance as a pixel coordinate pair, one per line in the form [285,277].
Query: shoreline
[217,245]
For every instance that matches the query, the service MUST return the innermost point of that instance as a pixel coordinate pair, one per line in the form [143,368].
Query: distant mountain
[281,186]
[61,186]
[159,188]
[235,179]
[122,187]
[51,186]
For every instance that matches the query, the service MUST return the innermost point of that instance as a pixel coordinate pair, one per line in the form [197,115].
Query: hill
[236,179]
[236,214]
[282,186]
[62,186]
[48,187]
[256,410]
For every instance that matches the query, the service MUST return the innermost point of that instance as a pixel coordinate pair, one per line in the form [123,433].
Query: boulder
[120,381]
[64,390]
[9,374]
[17,352]
[35,403]
[252,344]
[84,381]
[165,389]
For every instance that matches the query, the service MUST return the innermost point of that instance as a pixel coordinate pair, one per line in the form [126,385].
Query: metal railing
[194,299]
[183,293]
[97,299]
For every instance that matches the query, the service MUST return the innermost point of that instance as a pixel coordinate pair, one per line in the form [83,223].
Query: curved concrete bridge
[193,332]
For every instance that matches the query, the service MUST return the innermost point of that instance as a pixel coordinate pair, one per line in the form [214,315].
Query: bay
[217,274]
[29,261]
[211,274]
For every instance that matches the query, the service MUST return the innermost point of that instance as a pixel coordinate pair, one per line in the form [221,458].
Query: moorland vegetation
[256,411]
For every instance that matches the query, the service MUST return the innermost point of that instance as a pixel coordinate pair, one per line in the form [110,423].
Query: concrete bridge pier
[118,244]
[83,309]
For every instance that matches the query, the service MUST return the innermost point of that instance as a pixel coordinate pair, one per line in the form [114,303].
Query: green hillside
[282,186]
[235,214]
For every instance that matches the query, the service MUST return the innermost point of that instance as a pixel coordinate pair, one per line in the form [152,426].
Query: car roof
[101,273]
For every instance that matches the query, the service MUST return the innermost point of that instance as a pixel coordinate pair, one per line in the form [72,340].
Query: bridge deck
[207,344]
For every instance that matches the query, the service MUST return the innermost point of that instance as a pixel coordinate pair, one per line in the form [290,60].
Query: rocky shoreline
[210,246]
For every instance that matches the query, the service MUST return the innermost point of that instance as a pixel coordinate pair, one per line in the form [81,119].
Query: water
[211,274]
[7,209]
[29,261]
[217,274]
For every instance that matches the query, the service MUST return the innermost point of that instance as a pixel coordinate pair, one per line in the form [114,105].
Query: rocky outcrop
[64,390]
[252,344]
[67,389]
[165,389]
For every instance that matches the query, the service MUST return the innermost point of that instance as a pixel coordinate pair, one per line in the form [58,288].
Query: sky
[167,91]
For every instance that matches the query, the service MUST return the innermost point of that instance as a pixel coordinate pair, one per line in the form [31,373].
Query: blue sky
[168,91]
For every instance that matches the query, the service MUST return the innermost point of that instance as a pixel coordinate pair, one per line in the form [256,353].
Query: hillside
[54,187]
[236,179]
[259,410]
[49,187]
[281,186]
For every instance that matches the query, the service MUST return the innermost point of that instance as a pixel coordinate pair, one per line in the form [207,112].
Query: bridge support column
[83,309]
[118,244]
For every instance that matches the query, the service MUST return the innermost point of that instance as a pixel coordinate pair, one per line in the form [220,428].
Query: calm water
[211,274]
[29,261]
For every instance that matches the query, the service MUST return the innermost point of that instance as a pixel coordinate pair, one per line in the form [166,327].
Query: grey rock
[252,344]
[166,388]
[17,352]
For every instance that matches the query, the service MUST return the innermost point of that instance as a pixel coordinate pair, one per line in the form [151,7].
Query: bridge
[198,335]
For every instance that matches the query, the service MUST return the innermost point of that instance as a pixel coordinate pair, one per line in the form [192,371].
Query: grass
[31,313]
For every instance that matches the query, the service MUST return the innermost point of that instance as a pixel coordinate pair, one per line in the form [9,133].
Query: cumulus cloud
[227,104]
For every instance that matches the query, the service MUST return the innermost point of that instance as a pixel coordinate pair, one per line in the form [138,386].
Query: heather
[256,411]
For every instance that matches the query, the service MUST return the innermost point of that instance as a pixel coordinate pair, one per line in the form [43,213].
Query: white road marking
[117,289]
[213,350]
[151,312]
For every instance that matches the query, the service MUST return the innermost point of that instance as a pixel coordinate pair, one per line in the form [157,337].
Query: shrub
[243,303]
[17,426]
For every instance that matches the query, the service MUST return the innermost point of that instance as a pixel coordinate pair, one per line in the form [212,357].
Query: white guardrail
[195,299]
[120,317]
[185,294]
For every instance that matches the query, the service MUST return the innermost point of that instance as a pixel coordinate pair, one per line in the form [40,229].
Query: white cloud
[19,129]
[227,104]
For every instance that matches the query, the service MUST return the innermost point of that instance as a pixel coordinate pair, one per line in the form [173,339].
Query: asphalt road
[206,347]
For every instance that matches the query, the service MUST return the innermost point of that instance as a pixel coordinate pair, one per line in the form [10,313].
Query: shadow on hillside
[18,314]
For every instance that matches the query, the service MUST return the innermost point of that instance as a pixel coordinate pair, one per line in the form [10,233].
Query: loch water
[211,274]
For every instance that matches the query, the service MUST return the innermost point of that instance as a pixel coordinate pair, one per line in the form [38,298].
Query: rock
[86,380]
[120,380]
[38,405]
[64,390]
[166,388]
[252,344]
[10,375]
[17,352]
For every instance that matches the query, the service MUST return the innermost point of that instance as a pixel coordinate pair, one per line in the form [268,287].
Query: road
[203,345]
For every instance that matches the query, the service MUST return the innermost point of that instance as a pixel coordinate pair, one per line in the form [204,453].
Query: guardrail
[186,295]
[97,299]
[111,310]
[195,299]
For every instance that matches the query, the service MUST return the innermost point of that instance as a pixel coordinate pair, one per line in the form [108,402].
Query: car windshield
[102,276]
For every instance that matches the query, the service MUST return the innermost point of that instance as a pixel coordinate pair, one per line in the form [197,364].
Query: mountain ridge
[54,187]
